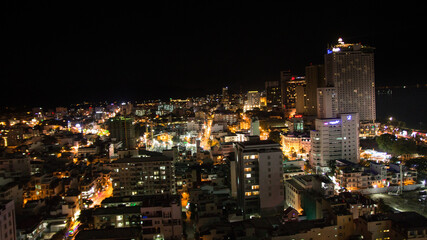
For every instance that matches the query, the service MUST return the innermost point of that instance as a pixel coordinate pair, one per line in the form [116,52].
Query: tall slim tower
[225,97]
[350,69]
[327,102]
[273,91]
[122,129]
[315,78]
[259,173]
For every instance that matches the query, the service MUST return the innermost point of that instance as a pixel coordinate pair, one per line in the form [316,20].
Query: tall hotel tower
[259,177]
[350,69]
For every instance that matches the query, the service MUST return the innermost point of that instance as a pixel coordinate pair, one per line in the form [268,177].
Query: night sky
[69,51]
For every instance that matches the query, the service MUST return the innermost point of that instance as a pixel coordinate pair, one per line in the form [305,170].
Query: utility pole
[401,180]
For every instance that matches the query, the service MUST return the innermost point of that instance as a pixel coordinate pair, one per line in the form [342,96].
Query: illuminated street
[97,198]
[204,143]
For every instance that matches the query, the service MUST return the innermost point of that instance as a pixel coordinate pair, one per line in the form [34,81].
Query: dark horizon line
[48,104]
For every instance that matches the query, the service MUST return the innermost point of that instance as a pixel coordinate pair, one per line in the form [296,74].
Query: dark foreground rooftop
[107,234]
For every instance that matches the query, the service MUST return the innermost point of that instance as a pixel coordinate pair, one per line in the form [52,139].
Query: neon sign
[334,122]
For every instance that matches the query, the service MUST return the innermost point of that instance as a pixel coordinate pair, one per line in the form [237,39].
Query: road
[97,198]
[408,201]
[206,133]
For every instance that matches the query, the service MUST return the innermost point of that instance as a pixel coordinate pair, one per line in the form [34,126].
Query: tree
[274,136]
[419,163]
[386,142]
[404,146]
[332,164]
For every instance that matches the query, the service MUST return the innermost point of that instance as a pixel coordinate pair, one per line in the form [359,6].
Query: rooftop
[292,228]
[117,210]
[349,47]
[409,220]
[143,159]
[114,233]
[258,143]
[145,201]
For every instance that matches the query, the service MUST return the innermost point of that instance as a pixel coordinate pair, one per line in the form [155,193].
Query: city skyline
[59,53]
[212,120]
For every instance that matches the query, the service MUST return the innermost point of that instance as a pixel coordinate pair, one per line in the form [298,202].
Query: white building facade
[334,139]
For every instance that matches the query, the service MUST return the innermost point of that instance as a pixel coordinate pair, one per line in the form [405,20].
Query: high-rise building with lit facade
[273,94]
[122,129]
[259,173]
[225,96]
[294,87]
[285,76]
[292,91]
[327,102]
[350,69]
[315,78]
[334,139]
[152,175]
[252,100]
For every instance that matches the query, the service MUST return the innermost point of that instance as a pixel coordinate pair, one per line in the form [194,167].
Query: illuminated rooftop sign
[332,122]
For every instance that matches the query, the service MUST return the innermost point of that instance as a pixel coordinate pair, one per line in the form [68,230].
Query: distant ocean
[408,105]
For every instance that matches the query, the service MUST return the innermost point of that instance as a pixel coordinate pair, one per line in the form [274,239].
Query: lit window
[248,169]
[248,193]
[248,175]
[255,187]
